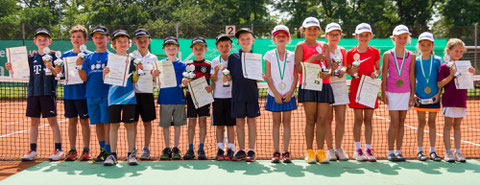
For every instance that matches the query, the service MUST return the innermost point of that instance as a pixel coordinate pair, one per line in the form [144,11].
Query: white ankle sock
[358,145]
[231,146]
[419,149]
[220,146]
[432,149]
[390,152]
[368,146]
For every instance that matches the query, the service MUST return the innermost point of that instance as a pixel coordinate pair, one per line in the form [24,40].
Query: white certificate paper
[146,83]
[368,91]
[252,66]
[311,79]
[465,80]
[71,73]
[18,57]
[167,77]
[199,94]
[340,92]
[119,66]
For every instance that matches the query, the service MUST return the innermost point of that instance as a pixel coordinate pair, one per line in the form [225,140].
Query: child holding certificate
[454,101]
[282,80]
[362,60]
[338,54]
[398,87]
[427,93]
[316,102]
[122,102]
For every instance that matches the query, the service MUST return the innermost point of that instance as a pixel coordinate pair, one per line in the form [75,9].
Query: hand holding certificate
[340,92]
[368,91]
[252,66]
[18,58]
[199,94]
[465,79]
[119,66]
[311,76]
[71,73]
[167,77]
[145,83]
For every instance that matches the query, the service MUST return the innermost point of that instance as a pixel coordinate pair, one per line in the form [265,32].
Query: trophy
[450,64]
[136,55]
[225,72]
[188,74]
[338,60]
[47,58]
[356,63]
[81,55]
[317,79]
[58,62]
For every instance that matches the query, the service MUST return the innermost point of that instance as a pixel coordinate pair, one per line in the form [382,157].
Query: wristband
[79,67]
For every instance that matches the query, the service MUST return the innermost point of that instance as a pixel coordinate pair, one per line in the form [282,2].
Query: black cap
[118,33]
[41,31]
[141,33]
[100,29]
[222,37]
[241,30]
[170,40]
[198,40]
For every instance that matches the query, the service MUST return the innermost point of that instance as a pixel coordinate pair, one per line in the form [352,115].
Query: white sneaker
[57,155]
[145,154]
[449,157]
[132,158]
[331,155]
[359,156]
[459,157]
[110,161]
[341,155]
[369,155]
[30,156]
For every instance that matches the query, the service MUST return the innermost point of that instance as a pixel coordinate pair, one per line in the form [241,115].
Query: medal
[319,49]
[399,70]
[427,90]
[399,83]
[281,85]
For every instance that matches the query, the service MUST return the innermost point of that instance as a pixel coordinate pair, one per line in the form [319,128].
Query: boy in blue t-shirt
[90,71]
[41,98]
[172,102]
[74,100]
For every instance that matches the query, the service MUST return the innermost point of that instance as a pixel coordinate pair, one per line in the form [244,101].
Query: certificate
[167,77]
[311,76]
[340,92]
[71,73]
[252,66]
[146,83]
[465,80]
[18,57]
[368,91]
[199,94]
[119,66]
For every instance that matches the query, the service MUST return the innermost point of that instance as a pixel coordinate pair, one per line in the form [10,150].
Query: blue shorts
[271,105]
[244,109]
[97,110]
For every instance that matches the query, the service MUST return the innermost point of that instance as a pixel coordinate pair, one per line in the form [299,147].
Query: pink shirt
[393,77]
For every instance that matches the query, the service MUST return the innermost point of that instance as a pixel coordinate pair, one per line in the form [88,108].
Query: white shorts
[454,112]
[398,101]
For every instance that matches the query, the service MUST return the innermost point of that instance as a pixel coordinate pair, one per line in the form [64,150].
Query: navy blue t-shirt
[173,95]
[243,90]
[76,91]
[93,66]
[39,84]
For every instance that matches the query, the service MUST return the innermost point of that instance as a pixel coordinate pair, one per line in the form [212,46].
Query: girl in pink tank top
[398,88]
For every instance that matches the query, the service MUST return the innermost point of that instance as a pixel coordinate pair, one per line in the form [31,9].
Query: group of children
[407,80]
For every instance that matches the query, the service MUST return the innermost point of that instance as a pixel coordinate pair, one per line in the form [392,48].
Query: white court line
[478,130]
[15,122]
[415,128]
[22,131]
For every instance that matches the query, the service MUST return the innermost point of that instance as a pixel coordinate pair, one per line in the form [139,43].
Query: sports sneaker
[176,154]
[110,160]
[392,157]
[229,155]
[341,155]
[421,156]
[145,154]
[400,157]
[286,157]
[189,155]
[102,156]
[449,157]
[220,155]
[250,156]
[310,157]
[71,155]
[331,155]
[57,155]
[369,155]
[459,157]
[85,155]
[166,154]
[201,155]
[359,156]
[276,157]
[30,156]
[320,156]
[132,158]
[240,155]
[435,157]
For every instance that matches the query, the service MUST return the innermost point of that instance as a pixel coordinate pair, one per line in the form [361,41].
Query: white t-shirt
[148,62]
[220,91]
[274,66]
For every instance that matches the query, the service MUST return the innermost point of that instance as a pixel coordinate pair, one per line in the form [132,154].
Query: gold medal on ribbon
[427,90]
[399,83]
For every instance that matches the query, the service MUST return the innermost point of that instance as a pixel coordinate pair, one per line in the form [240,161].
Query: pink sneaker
[359,156]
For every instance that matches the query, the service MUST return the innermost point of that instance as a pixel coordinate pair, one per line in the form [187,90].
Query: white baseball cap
[362,28]
[311,21]
[426,36]
[401,29]
[332,26]
[280,29]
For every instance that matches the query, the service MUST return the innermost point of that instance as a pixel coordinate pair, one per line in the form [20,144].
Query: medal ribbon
[430,72]
[282,74]
[399,71]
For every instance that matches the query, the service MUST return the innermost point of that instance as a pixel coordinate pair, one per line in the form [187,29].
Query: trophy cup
[189,74]
[356,63]
[58,62]
[225,72]
[338,60]
[136,55]
[450,64]
[47,58]
[81,55]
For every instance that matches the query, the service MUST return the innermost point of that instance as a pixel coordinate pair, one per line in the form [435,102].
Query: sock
[231,146]
[358,145]
[251,149]
[432,149]
[368,146]
[58,146]
[190,146]
[33,147]
[419,149]
[220,146]
[448,151]
[398,152]
[200,146]
[102,144]
[107,148]
[114,154]
[390,152]
[457,149]
[86,149]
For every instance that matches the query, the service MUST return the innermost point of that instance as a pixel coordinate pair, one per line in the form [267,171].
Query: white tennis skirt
[454,112]
[398,101]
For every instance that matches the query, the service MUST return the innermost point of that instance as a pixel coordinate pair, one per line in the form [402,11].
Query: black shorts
[222,114]
[45,105]
[244,109]
[74,108]
[194,113]
[116,115]
[324,96]
[145,107]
